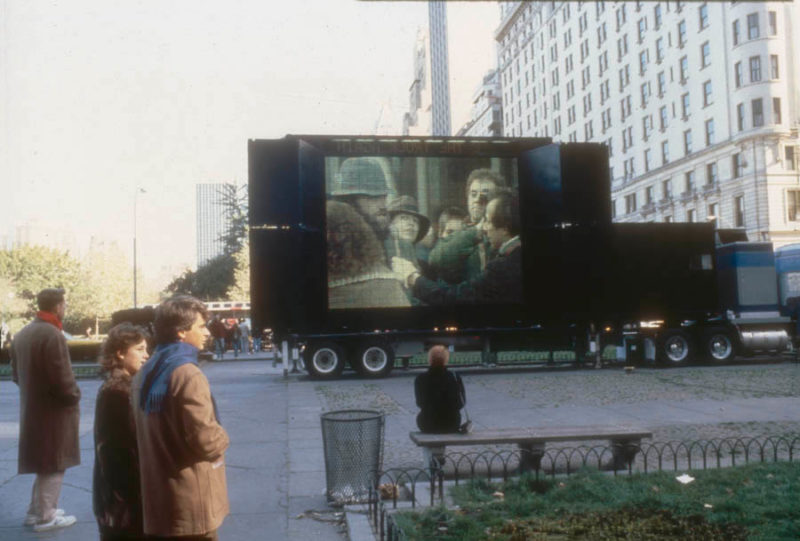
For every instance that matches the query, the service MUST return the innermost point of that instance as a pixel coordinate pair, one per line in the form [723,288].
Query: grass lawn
[759,501]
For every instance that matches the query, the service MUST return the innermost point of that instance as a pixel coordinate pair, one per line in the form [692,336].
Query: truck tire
[374,359]
[718,345]
[674,348]
[324,360]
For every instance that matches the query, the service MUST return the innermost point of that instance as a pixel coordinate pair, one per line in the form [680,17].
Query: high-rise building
[697,102]
[429,93]
[486,114]
[35,233]
[212,221]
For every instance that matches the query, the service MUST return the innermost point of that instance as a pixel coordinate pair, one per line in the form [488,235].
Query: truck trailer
[368,249]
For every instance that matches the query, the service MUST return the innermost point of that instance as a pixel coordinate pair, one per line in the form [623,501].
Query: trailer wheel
[674,348]
[718,345]
[324,360]
[374,359]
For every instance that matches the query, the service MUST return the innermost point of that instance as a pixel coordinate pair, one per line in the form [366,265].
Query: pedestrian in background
[244,331]
[116,496]
[217,329]
[49,409]
[181,443]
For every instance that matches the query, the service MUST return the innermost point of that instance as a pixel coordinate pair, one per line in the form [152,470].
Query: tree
[210,282]
[240,289]
[234,207]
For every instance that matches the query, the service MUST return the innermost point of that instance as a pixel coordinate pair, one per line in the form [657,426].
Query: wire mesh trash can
[353,444]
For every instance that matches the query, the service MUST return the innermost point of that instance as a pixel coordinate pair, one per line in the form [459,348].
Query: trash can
[352,441]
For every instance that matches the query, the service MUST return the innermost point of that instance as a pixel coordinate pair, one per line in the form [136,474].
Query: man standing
[181,443]
[49,411]
[463,255]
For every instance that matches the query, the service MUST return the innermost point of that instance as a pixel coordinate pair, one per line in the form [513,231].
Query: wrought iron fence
[412,487]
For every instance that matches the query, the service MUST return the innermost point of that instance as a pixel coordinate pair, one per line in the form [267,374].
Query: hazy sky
[101,96]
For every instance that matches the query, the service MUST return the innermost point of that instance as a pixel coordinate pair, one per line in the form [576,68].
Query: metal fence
[411,487]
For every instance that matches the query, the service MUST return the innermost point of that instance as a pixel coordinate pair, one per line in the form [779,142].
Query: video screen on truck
[422,231]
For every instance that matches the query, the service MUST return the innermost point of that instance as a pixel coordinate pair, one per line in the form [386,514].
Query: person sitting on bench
[440,395]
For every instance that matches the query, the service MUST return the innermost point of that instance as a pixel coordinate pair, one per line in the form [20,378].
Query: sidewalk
[275,465]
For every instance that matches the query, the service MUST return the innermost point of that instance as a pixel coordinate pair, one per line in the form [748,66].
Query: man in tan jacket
[49,412]
[181,443]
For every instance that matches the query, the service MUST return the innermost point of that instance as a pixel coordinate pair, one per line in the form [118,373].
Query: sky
[101,97]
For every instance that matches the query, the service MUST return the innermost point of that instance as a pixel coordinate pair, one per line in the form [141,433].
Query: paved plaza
[275,465]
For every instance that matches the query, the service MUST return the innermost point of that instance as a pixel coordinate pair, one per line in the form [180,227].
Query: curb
[358,526]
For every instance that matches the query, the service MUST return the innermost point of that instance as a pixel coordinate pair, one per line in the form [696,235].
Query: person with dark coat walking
[116,496]
[439,394]
[49,410]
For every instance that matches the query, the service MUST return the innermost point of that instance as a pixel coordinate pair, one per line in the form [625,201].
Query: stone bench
[625,442]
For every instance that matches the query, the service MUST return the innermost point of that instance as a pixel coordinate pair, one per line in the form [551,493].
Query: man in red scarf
[49,411]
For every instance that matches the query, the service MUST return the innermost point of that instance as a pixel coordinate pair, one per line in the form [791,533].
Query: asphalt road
[276,474]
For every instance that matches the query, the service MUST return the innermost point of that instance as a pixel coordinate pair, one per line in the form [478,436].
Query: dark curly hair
[119,339]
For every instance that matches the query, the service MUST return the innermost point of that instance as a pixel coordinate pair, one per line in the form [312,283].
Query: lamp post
[136,193]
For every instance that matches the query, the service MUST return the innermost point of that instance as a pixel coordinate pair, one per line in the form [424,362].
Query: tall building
[36,233]
[486,114]
[212,222]
[429,93]
[697,102]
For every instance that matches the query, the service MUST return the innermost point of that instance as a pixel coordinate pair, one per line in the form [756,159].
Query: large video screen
[422,231]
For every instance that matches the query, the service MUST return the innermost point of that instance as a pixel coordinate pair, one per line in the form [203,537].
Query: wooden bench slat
[530,435]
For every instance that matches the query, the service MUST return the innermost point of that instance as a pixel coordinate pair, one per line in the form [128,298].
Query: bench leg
[530,457]
[434,457]
[624,451]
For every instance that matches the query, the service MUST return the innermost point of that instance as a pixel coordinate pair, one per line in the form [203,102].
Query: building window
[662,84]
[643,62]
[776,110]
[709,132]
[705,54]
[690,216]
[666,188]
[774,73]
[647,156]
[773,23]
[752,26]
[642,28]
[663,117]
[738,211]
[713,212]
[706,93]
[737,74]
[657,16]
[758,112]
[789,158]
[648,196]
[687,142]
[712,176]
[736,32]
[740,116]
[755,69]
[659,50]
[689,182]
[645,92]
[703,16]
[630,203]
[664,152]
[682,33]
[684,66]
[737,164]
[685,106]
[647,126]
[613,208]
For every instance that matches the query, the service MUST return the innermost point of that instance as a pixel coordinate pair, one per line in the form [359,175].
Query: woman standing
[439,394]
[116,495]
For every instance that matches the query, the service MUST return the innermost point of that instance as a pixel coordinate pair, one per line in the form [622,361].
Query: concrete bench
[624,440]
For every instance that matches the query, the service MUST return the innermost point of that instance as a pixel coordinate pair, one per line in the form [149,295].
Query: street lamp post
[136,193]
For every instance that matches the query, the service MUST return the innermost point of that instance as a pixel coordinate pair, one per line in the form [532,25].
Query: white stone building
[486,113]
[699,103]
[212,221]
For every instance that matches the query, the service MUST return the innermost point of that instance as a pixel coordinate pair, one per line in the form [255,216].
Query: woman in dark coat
[440,395]
[116,494]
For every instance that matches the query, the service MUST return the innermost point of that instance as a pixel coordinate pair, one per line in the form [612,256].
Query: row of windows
[712,209]
[754,68]
[753,27]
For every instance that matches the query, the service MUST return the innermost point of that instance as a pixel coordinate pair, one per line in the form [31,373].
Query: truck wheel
[718,345]
[374,359]
[674,348]
[324,360]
